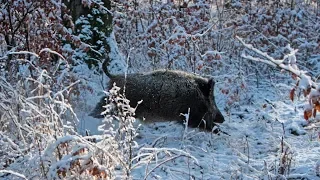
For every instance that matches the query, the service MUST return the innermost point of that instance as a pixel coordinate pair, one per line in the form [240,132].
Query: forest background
[264,56]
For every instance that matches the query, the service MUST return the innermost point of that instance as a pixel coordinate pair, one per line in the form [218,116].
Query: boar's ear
[211,83]
[206,87]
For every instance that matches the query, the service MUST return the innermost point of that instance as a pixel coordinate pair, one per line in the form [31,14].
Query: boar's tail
[105,69]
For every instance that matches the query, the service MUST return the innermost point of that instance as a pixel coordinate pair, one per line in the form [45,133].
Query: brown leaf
[292,94]
[62,172]
[317,107]
[217,57]
[307,114]
[306,92]
[97,172]
[242,86]
[294,76]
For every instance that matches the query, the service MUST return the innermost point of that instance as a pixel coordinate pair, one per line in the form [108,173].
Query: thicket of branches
[199,36]
[196,35]
[44,46]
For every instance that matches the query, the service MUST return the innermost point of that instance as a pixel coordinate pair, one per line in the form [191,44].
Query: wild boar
[166,94]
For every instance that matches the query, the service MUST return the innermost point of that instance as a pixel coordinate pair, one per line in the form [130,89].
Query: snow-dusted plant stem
[118,110]
[106,156]
[286,156]
[185,132]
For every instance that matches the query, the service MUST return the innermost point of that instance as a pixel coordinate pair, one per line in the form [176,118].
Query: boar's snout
[218,118]
[212,118]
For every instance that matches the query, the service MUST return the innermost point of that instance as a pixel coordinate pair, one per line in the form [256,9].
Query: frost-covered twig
[52,52]
[13,173]
[186,122]
[24,52]
[146,155]
[305,80]
[310,88]
[291,66]
[163,162]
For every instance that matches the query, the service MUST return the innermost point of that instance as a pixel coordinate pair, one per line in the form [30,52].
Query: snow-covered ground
[265,135]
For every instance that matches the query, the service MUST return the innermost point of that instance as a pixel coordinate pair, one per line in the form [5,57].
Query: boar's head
[206,109]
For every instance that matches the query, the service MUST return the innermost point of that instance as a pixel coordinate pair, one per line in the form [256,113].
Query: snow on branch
[52,52]
[291,66]
[24,52]
[13,173]
[305,82]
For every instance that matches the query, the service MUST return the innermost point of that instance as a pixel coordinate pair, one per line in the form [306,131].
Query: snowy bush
[171,35]
[34,112]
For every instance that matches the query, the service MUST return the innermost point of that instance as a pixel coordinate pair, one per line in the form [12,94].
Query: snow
[265,135]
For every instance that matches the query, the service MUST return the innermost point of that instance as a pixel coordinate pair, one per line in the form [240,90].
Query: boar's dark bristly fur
[166,94]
